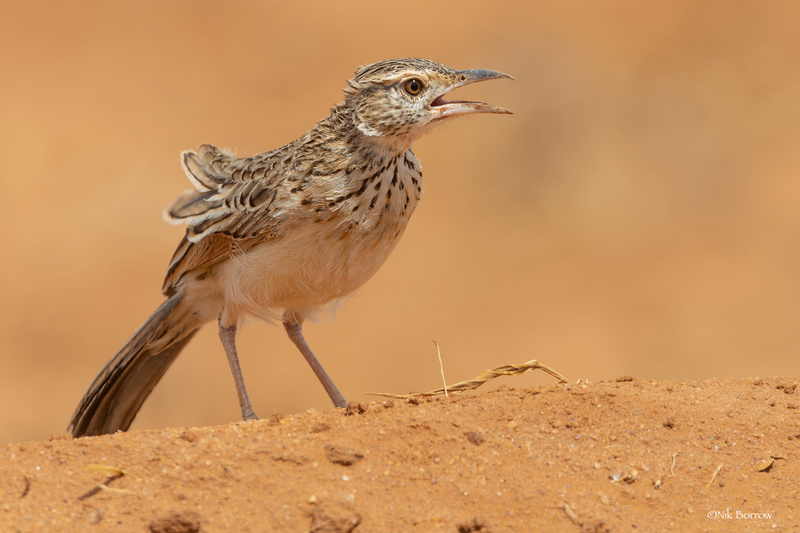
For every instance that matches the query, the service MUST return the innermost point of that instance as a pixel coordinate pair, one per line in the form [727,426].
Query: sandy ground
[712,455]
[636,215]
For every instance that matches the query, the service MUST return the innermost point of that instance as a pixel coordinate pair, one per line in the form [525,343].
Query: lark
[286,234]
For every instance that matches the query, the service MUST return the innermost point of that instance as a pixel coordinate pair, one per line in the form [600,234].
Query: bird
[287,234]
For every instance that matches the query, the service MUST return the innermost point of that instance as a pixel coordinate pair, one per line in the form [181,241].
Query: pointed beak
[453,108]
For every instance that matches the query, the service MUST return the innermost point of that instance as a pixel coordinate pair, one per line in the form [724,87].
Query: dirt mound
[657,456]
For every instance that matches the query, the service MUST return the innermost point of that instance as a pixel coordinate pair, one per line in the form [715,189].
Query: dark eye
[413,86]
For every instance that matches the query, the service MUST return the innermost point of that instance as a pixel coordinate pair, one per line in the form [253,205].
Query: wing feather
[230,210]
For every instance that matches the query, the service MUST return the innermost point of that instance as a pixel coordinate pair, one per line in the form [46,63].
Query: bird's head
[398,100]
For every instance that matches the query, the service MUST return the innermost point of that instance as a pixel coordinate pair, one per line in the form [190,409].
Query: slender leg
[228,337]
[295,330]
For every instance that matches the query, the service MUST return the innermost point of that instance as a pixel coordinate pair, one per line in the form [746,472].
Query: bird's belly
[303,271]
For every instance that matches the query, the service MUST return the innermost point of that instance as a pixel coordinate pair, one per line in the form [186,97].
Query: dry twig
[441,366]
[483,377]
[571,514]
[713,477]
[113,473]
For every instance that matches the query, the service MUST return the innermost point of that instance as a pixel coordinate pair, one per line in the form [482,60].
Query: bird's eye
[413,86]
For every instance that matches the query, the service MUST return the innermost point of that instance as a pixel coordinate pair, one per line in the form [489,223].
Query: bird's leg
[227,335]
[294,328]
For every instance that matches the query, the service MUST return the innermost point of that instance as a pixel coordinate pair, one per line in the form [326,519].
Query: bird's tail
[118,392]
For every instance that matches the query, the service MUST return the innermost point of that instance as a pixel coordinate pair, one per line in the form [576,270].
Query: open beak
[453,108]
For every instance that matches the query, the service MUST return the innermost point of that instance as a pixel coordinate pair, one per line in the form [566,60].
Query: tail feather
[118,392]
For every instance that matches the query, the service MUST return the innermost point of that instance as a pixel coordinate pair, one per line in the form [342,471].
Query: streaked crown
[400,99]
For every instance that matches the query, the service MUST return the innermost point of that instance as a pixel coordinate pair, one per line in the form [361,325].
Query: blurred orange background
[638,214]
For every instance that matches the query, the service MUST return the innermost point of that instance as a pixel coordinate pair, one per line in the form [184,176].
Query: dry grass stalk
[483,377]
